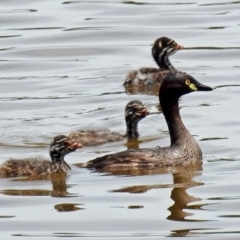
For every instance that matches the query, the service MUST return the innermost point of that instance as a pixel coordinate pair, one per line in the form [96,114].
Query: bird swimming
[183,150]
[60,146]
[134,112]
[162,48]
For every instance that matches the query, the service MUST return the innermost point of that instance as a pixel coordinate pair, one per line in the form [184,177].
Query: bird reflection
[181,198]
[67,207]
[149,90]
[132,143]
[59,187]
[182,180]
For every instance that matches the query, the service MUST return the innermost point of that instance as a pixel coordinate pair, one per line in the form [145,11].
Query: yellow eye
[187,82]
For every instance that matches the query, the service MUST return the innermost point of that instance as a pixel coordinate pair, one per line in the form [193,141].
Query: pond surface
[62,68]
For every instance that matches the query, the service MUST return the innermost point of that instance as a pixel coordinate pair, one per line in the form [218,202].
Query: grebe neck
[132,128]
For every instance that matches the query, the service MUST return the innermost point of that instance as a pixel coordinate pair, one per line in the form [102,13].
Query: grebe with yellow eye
[184,150]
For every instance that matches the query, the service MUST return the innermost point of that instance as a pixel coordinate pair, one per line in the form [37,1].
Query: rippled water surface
[62,67]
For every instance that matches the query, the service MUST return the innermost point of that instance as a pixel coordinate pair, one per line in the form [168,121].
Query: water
[62,67]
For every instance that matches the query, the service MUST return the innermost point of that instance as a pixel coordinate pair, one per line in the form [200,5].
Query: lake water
[62,68]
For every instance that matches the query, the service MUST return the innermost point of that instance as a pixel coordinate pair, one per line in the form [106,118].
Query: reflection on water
[132,143]
[135,207]
[63,65]
[6,216]
[145,170]
[26,192]
[67,207]
[190,232]
[143,89]
[181,198]
[182,180]
[58,181]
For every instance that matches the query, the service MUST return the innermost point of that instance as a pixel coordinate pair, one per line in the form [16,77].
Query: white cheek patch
[160,44]
[163,52]
[172,52]
[130,113]
[52,148]
[62,140]
[170,42]
[57,147]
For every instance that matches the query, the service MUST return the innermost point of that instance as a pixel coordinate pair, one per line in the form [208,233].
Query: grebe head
[60,146]
[177,84]
[135,111]
[163,48]
[165,45]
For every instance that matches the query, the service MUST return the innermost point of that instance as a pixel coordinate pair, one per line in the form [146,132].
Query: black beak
[179,47]
[201,87]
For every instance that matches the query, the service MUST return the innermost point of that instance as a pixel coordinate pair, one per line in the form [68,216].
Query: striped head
[135,111]
[162,49]
[61,146]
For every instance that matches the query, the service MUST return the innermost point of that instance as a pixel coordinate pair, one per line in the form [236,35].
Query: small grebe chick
[134,112]
[60,146]
[162,48]
[183,151]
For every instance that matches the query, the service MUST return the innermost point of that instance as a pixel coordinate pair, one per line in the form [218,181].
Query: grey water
[62,66]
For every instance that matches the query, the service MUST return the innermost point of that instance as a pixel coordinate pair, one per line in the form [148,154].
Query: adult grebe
[184,150]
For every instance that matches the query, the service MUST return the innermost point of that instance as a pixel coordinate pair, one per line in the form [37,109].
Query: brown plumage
[161,50]
[96,137]
[134,112]
[184,149]
[59,147]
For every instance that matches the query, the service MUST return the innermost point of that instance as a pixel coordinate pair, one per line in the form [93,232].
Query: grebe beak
[144,112]
[179,47]
[74,145]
